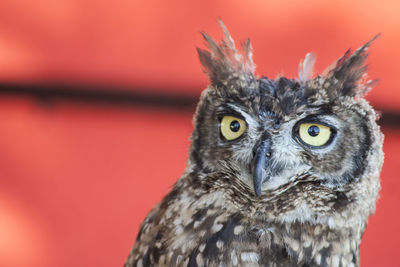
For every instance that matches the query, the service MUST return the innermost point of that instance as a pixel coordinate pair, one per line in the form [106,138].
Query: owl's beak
[261,162]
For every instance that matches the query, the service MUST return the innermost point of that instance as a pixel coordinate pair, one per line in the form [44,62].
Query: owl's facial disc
[261,162]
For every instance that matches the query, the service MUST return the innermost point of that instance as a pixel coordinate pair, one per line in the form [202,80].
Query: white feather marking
[234,258]
[199,260]
[331,222]
[335,260]
[216,227]
[318,259]
[238,229]
[249,257]
[178,229]
[196,224]
[306,67]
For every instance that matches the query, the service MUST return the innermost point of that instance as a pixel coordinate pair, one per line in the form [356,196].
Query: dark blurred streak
[48,95]
[389,118]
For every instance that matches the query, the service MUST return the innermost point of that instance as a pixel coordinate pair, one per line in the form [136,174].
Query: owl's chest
[238,243]
[233,243]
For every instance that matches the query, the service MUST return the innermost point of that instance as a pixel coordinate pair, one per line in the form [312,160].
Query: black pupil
[235,126]
[313,130]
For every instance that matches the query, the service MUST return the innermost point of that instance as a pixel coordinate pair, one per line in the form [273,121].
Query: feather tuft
[350,72]
[223,60]
[306,67]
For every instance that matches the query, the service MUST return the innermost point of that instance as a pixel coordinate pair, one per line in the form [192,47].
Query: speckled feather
[313,209]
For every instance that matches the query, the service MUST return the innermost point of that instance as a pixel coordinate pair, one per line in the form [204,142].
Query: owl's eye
[232,127]
[315,134]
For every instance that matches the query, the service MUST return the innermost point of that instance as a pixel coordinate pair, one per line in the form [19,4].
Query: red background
[77,178]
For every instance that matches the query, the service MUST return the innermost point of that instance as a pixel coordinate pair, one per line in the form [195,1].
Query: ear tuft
[223,61]
[349,73]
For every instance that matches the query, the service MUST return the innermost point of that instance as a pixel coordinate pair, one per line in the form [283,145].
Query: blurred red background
[79,174]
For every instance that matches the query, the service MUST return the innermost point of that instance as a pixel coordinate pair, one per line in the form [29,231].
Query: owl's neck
[319,245]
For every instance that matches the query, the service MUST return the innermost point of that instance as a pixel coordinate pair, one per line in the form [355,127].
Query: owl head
[311,142]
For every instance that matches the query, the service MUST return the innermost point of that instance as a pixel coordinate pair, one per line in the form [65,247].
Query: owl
[281,172]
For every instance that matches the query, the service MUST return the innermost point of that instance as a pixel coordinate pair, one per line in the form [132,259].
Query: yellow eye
[232,127]
[314,134]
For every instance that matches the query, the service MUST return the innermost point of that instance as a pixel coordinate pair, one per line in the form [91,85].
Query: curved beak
[261,163]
